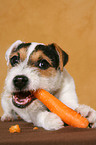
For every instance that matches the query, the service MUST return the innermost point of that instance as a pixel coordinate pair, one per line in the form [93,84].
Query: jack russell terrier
[32,66]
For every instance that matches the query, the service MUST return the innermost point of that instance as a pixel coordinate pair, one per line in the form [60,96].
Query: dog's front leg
[48,120]
[8,115]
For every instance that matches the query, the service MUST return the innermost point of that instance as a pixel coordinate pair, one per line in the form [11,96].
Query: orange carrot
[68,115]
[35,128]
[14,128]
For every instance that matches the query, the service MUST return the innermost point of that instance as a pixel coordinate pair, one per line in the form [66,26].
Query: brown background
[69,23]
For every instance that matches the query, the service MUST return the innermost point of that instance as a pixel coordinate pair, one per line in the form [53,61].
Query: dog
[32,66]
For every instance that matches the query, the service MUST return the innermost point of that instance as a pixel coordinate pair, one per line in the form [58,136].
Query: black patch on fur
[65,58]
[21,46]
[51,52]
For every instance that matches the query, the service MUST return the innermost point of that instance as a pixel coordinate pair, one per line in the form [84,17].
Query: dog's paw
[88,113]
[7,117]
[93,125]
[53,122]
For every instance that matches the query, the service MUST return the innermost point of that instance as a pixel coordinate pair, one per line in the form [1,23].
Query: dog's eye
[14,60]
[43,64]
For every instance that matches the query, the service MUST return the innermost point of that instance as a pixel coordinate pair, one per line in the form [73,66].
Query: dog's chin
[23,99]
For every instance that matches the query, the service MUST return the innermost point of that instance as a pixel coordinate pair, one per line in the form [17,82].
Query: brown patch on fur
[50,72]
[36,55]
[59,51]
[22,53]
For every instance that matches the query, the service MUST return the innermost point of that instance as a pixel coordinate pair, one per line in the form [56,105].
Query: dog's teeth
[23,99]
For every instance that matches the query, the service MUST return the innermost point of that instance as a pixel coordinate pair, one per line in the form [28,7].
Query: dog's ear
[63,56]
[8,52]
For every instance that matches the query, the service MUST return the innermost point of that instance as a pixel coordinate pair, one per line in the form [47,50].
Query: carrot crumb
[14,128]
[35,128]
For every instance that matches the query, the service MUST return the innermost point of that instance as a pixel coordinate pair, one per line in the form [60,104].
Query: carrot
[14,128]
[68,115]
[35,128]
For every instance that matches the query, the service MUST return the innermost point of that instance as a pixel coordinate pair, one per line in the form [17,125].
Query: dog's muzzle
[20,98]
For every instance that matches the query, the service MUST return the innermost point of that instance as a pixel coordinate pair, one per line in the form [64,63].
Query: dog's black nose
[20,81]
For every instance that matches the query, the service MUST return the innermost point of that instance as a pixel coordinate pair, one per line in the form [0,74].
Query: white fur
[15,44]
[61,86]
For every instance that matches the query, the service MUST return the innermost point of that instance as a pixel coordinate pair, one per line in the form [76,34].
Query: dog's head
[33,66]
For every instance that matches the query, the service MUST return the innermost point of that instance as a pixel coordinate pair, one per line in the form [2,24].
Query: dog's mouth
[22,99]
